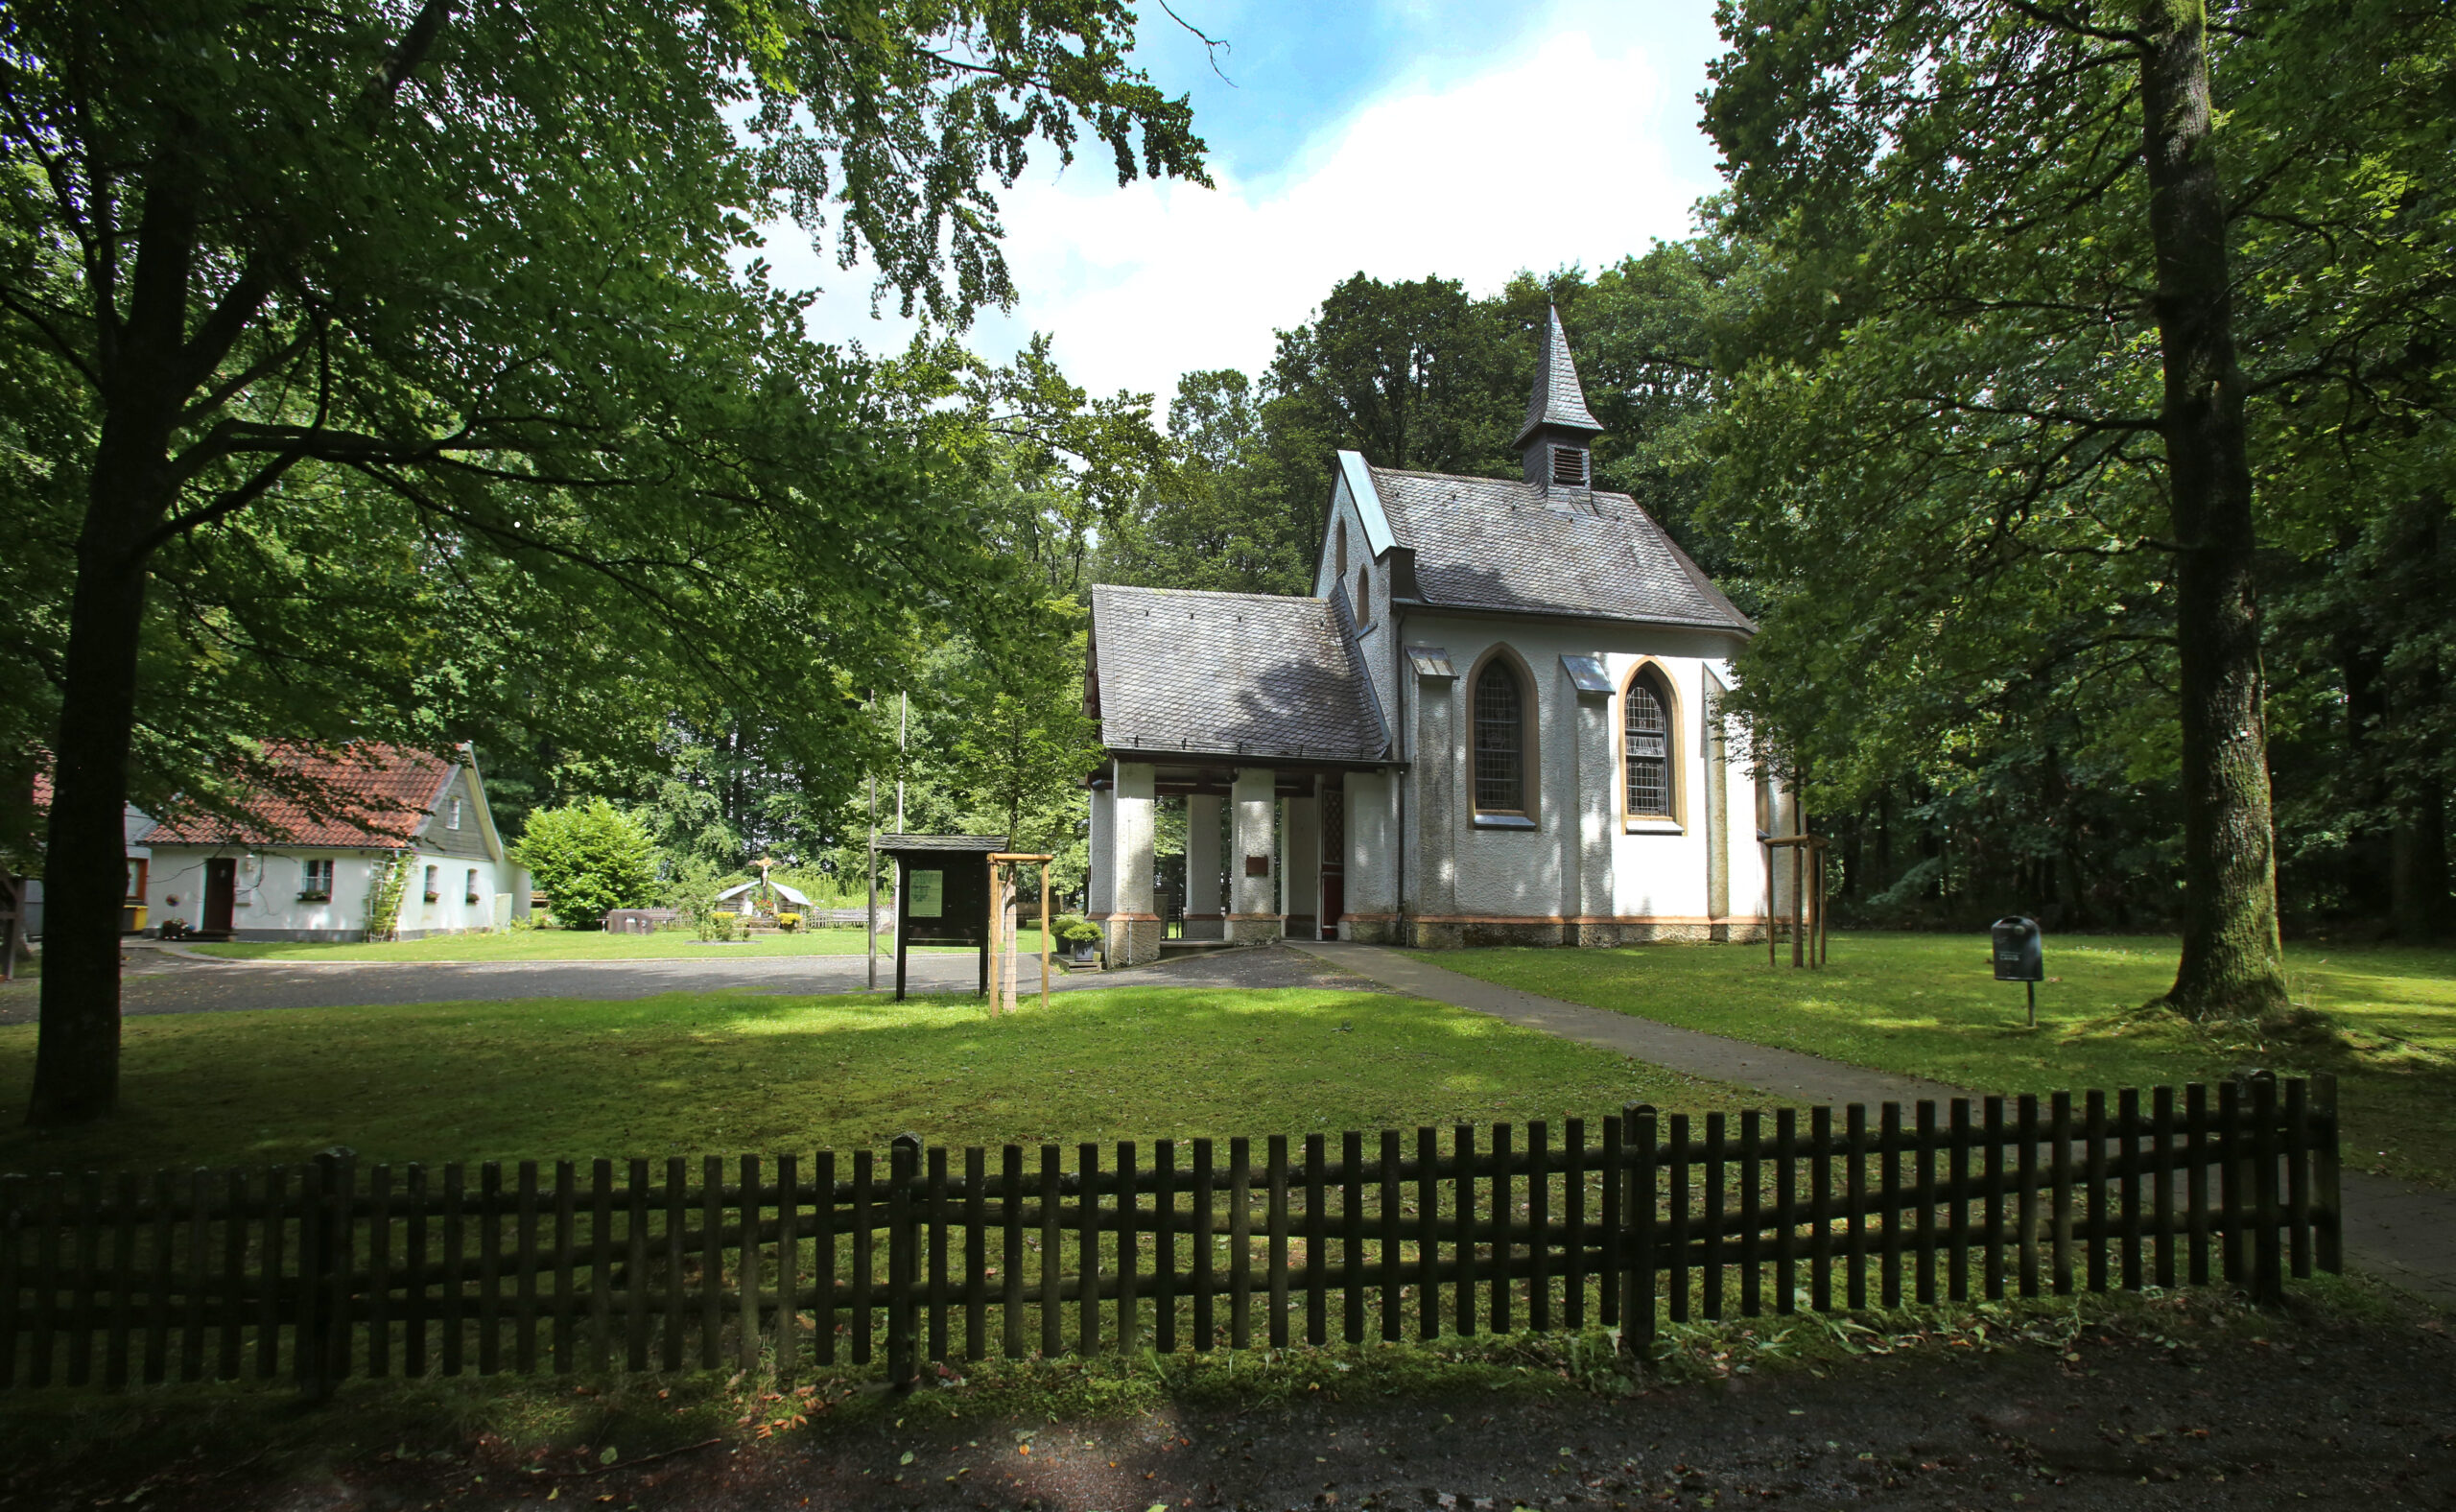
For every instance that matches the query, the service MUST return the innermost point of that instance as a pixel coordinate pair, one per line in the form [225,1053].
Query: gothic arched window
[1500,740]
[1646,750]
[1364,594]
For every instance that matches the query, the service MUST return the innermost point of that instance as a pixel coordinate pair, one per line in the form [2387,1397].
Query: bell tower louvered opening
[1568,466]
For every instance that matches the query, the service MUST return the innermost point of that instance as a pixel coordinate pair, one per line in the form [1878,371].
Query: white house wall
[266,905]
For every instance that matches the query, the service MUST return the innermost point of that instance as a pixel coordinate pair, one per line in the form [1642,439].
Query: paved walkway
[2393,1230]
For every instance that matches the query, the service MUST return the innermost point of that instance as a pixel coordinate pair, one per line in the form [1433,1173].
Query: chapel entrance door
[220,893]
[1334,904]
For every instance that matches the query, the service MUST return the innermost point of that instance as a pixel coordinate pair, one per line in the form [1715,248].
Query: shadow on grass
[731,1072]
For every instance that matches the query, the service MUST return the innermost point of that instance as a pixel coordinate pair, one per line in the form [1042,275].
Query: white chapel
[1496,721]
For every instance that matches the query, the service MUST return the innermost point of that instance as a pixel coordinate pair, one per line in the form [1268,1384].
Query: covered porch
[1254,716]
[1299,851]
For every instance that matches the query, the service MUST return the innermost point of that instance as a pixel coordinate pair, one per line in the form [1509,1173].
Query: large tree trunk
[84,864]
[2232,961]
[130,494]
[2366,856]
[2418,867]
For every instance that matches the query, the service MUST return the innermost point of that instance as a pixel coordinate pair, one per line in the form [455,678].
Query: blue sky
[1395,138]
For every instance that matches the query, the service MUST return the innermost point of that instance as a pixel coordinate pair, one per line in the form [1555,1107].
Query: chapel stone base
[1253,929]
[1129,940]
[1206,927]
[1478,933]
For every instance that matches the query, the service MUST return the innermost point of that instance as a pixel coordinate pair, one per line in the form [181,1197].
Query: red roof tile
[372,796]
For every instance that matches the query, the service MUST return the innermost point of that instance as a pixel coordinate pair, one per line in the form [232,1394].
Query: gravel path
[159,981]
[2402,1233]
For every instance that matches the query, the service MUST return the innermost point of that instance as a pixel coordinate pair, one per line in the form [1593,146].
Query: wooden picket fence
[325,1271]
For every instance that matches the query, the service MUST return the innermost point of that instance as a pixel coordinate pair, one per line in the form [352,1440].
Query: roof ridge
[1211,593]
[1520,483]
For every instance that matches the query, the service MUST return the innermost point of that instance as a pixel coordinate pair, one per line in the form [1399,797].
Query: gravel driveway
[173,981]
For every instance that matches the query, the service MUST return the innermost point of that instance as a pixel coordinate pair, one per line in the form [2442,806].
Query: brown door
[1334,807]
[221,891]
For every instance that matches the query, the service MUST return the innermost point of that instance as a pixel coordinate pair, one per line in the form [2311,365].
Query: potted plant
[1078,939]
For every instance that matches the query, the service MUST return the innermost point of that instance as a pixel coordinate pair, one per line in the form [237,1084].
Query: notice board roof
[976,845]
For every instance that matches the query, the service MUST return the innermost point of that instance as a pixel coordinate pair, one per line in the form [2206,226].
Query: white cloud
[1578,149]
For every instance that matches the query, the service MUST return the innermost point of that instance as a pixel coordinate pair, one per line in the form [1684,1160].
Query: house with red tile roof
[301,858]
[134,822]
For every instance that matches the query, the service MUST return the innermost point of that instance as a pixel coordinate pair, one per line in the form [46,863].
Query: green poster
[929,893]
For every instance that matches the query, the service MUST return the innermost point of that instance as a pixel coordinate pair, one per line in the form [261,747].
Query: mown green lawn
[575,945]
[1926,1004]
[721,1073]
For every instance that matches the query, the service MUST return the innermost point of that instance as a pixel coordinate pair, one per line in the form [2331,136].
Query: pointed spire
[1558,399]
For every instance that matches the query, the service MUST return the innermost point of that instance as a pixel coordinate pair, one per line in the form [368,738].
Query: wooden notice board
[941,893]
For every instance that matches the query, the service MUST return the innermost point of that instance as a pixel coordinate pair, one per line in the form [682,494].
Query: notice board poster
[929,893]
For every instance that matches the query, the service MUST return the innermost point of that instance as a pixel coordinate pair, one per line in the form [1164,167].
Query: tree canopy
[2057,306]
[380,370]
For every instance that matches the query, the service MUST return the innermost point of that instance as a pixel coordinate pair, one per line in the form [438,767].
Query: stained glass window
[1647,752]
[1500,741]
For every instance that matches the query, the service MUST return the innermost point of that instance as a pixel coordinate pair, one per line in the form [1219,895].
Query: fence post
[2268,1268]
[2329,1220]
[1637,1213]
[323,1275]
[903,1240]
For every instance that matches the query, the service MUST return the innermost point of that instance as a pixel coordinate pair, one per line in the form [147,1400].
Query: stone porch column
[1205,912]
[1372,860]
[1300,893]
[1253,869]
[1130,923]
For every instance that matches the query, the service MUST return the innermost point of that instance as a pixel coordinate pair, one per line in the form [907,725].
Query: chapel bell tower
[1557,441]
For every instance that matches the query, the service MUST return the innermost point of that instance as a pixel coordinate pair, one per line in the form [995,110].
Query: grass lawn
[1926,1004]
[698,1074]
[578,945]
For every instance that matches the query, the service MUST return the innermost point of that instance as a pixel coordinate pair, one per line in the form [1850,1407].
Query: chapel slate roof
[1229,674]
[380,797]
[1493,543]
[1557,398]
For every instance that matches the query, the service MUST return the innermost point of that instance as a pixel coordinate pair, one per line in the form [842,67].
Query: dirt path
[2262,1413]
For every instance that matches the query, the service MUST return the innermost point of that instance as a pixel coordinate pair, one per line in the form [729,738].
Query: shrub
[591,857]
[692,892]
[789,922]
[1073,928]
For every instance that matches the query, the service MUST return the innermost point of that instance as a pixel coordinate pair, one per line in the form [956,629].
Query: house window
[1365,595]
[1646,752]
[1341,569]
[452,815]
[430,883]
[315,880]
[471,894]
[135,879]
[1500,741]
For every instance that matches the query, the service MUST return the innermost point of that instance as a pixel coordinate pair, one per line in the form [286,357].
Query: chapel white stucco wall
[1466,877]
